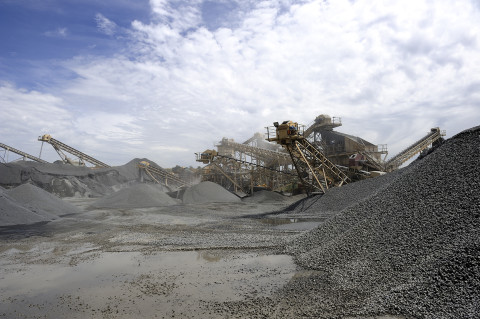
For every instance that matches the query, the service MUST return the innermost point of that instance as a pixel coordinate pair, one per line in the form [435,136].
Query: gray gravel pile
[339,198]
[412,248]
[15,213]
[264,196]
[66,180]
[63,180]
[136,196]
[208,192]
[36,198]
[131,170]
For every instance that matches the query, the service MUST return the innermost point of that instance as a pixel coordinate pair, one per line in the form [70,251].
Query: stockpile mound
[411,249]
[65,180]
[208,192]
[339,198]
[131,170]
[14,213]
[264,196]
[36,198]
[136,196]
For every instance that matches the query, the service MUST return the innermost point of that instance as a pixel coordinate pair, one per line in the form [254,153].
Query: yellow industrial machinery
[314,169]
[321,157]
[61,147]
[206,157]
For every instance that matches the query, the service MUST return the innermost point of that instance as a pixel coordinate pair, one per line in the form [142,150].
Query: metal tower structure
[314,169]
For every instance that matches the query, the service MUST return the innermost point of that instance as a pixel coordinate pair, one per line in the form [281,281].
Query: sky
[163,79]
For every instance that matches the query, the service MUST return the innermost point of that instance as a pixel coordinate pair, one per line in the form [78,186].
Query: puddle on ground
[292,223]
[130,283]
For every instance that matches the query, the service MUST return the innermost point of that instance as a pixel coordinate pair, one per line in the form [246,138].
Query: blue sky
[164,79]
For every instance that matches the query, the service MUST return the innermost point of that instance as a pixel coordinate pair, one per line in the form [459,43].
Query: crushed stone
[14,213]
[65,180]
[208,192]
[36,198]
[136,196]
[264,196]
[410,248]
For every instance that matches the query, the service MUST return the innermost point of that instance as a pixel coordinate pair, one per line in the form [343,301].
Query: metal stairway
[313,167]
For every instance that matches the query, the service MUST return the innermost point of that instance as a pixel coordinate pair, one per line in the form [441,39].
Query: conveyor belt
[59,147]
[258,152]
[166,176]
[371,161]
[25,155]
[396,161]
[273,169]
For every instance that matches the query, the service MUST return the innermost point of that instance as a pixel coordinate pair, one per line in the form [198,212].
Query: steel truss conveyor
[269,158]
[314,169]
[396,161]
[61,148]
[244,173]
[158,174]
[23,154]
[209,157]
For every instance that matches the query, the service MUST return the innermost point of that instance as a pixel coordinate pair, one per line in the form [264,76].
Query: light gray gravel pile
[14,213]
[412,248]
[136,196]
[208,192]
[131,170]
[264,196]
[36,198]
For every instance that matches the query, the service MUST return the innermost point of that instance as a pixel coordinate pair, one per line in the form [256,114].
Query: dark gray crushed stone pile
[337,199]
[264,196]
[411,248]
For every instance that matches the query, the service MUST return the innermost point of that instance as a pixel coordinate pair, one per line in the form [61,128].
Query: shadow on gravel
[298,207]
[24,231]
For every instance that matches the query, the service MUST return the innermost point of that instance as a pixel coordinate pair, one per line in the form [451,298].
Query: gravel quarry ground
[403,245]
[172,261]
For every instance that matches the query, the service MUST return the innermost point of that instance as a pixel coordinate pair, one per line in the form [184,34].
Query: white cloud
[391,71]
[105,25]
[58,33]
[28,114]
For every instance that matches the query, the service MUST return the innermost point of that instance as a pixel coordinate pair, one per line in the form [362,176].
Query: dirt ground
[182,261]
